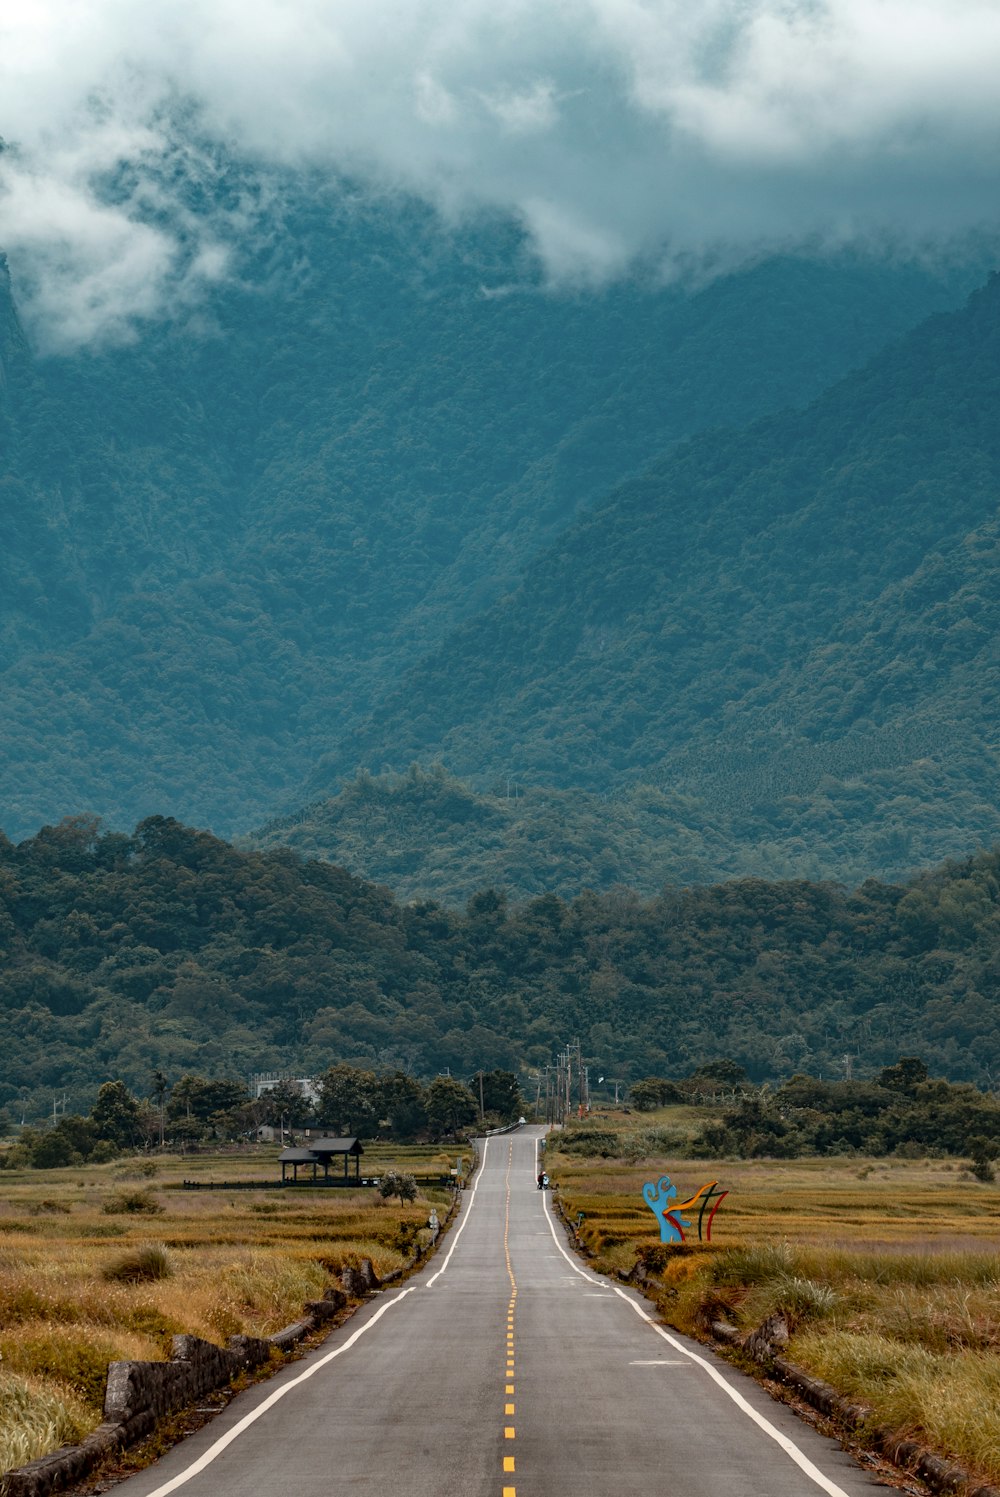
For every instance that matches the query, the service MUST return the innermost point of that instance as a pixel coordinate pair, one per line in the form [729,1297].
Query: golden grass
[37,1416]
[239,1262]
[888,1271]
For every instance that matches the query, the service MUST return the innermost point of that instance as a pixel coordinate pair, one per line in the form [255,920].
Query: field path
[506,1369]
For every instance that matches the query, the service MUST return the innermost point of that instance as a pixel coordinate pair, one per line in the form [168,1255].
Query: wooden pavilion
[320,1155]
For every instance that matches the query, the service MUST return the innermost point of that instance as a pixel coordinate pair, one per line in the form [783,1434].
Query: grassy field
[888,1270]
[107,1262]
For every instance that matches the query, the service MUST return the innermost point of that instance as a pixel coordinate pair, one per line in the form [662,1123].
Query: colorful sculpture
[658,1198]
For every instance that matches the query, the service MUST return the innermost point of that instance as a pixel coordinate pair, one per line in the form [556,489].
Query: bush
[144,1264]
[603,1143]
[132,1203]
[135,1169]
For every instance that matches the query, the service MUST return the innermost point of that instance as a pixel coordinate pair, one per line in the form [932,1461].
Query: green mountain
[429,835]
[171,950]
[789,630]
[225,542]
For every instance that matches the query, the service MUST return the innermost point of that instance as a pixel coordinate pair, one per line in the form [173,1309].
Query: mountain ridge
[251,527]
[738,612]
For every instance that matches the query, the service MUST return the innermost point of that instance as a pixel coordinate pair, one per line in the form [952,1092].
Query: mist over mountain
[226,540]
[791,630]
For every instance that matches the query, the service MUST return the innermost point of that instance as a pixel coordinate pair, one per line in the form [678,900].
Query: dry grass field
[887,1269]
[106,1262]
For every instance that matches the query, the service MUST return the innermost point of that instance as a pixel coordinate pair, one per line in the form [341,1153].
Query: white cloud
[614,129]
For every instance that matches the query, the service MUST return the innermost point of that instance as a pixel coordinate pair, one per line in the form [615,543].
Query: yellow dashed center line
[508,1408]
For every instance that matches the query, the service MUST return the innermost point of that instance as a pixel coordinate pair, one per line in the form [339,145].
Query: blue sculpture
[659,1196]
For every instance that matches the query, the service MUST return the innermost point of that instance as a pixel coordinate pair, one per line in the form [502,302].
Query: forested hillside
[427,834]
[791,630]
[224,542]
[170,950]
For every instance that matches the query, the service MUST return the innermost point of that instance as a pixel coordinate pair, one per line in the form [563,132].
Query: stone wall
[141,1393]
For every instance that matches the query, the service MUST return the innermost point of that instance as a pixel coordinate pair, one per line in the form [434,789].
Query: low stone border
[763,1346]
[139,1394]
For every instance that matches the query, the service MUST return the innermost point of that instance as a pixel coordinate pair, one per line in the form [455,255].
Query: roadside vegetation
[88,1276]
[886,1268]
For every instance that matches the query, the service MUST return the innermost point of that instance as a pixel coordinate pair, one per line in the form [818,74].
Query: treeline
[346,1101]
[170,950]
[902,1110]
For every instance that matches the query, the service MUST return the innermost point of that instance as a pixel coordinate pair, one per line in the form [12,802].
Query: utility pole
[482,1109]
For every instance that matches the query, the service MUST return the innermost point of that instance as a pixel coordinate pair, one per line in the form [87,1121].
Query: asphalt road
[506,1369]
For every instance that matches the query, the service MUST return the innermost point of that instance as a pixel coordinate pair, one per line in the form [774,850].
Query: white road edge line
[788,1446]
[464,1222]
[227,1439]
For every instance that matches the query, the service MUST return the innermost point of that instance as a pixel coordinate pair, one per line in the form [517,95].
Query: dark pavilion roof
[297,1156]
[321,1146]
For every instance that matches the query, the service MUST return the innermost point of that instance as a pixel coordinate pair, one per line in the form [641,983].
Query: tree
[285,1106]
[905,1076]
[403,1104]
[500,1093]
[116,1116]
[349,1101]
[199,1097]
[159,1087]
[392,1183]
[71,1141]
[983,1152]
[450,1105]
[654,1091]
[728,1071]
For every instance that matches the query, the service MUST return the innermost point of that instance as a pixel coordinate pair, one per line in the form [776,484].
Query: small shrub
[132,1203]
[143,1264]
[49,1208]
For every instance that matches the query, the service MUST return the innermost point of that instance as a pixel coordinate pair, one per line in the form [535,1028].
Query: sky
[686,136]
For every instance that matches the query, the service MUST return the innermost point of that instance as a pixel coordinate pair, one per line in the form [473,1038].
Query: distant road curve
[506,1369]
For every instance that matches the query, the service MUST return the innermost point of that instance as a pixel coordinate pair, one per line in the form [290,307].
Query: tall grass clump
[760,1263]
[259,1294]
[952,1402]
[74,1357]
[132,1203]
[142,1265]
[36,1418]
